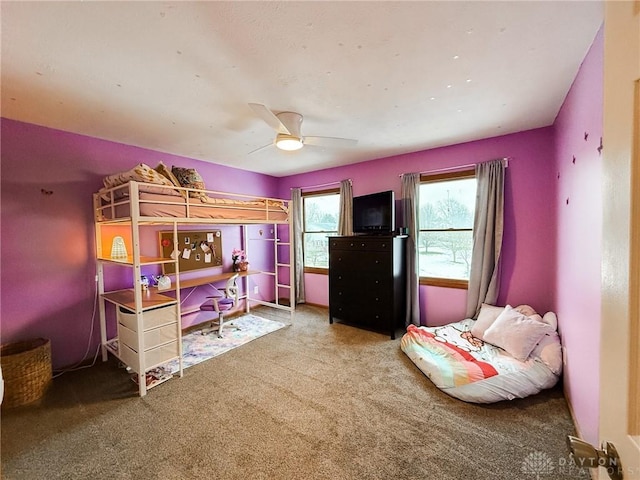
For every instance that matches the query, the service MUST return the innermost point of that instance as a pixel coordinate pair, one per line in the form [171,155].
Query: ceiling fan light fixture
[288,142]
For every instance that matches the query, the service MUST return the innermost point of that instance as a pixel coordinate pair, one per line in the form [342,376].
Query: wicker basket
[26,370]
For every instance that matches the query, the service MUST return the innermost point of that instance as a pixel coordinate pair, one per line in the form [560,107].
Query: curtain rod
[328,184]
[505,161]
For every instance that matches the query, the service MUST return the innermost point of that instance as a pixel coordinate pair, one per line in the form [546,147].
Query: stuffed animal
[526,310]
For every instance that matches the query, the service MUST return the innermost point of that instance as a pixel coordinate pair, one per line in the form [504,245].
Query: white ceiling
[397,76]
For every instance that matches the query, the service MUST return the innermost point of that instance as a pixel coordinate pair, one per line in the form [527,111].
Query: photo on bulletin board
[196,250]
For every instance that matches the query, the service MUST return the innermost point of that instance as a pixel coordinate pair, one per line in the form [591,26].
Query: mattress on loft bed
[156,205]
[473,370]
[170,203]
[179,192]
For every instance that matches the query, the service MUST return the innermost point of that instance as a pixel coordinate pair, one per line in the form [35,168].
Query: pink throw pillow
[516,333]
[486,317]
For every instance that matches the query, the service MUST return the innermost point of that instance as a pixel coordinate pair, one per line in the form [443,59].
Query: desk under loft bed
[148,327]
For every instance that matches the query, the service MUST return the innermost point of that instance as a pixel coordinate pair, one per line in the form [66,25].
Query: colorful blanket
[467,368]
[455,365]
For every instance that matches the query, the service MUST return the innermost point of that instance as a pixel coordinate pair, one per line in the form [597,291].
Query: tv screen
[374,213]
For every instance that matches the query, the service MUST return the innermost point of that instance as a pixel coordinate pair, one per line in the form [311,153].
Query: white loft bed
[150,203]
[148,322]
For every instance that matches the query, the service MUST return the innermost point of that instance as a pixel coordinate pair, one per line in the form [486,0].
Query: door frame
[619,350]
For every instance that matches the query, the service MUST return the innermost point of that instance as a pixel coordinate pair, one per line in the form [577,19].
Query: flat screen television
[374,213]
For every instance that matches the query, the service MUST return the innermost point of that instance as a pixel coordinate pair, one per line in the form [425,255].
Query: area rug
[197,348]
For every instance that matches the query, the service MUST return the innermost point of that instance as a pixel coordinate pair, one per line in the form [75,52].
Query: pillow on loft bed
[140,173]
[178,177]
[163,170]
[474,370]
[161,176]
[190,178]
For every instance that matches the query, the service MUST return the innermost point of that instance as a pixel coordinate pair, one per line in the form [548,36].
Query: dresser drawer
[152,338]
[358,261]
[362,282]
[374,261]
[344,260]
[150,319]
[384,244]
[340,309]
[363,315]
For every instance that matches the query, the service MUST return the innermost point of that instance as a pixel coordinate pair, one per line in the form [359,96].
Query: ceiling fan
[288,137]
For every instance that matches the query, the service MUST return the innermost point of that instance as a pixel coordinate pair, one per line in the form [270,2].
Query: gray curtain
[410,205]
[298,251]
[488,226]
[345,222]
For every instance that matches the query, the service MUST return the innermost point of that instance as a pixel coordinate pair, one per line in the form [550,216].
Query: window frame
[316,193]
[441,177]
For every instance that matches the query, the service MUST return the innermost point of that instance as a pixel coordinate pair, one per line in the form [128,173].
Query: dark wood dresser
[367,282]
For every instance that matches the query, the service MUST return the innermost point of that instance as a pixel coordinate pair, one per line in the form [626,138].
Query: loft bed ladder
[284,293]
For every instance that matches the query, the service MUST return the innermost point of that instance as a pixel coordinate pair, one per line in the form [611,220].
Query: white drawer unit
[150,318]
[156,343]
[151,338]
[152,357]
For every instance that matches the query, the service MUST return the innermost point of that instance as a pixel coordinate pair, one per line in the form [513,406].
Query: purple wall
[47,247]
[529,242]
[47,244]
[579,210]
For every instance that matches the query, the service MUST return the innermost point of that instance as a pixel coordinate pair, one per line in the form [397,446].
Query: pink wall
[579,210]
[529,243]
[47,243]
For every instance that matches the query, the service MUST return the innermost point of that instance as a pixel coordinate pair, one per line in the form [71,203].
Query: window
[445,240]
[321,211]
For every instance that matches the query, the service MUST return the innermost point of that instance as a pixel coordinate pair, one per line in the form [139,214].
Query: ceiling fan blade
[269,117]
[330,142]
[261,148]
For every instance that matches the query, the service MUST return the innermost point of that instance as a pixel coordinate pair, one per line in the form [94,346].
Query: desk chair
[222,303]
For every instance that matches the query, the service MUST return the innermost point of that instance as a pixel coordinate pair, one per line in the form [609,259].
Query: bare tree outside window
[445,240]
[321,212]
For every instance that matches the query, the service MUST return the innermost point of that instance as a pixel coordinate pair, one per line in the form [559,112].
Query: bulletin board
[196,250]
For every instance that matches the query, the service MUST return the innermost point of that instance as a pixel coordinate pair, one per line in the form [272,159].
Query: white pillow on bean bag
[516,333]
[486,317]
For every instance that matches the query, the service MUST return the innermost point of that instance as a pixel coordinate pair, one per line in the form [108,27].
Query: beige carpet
[310,401]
